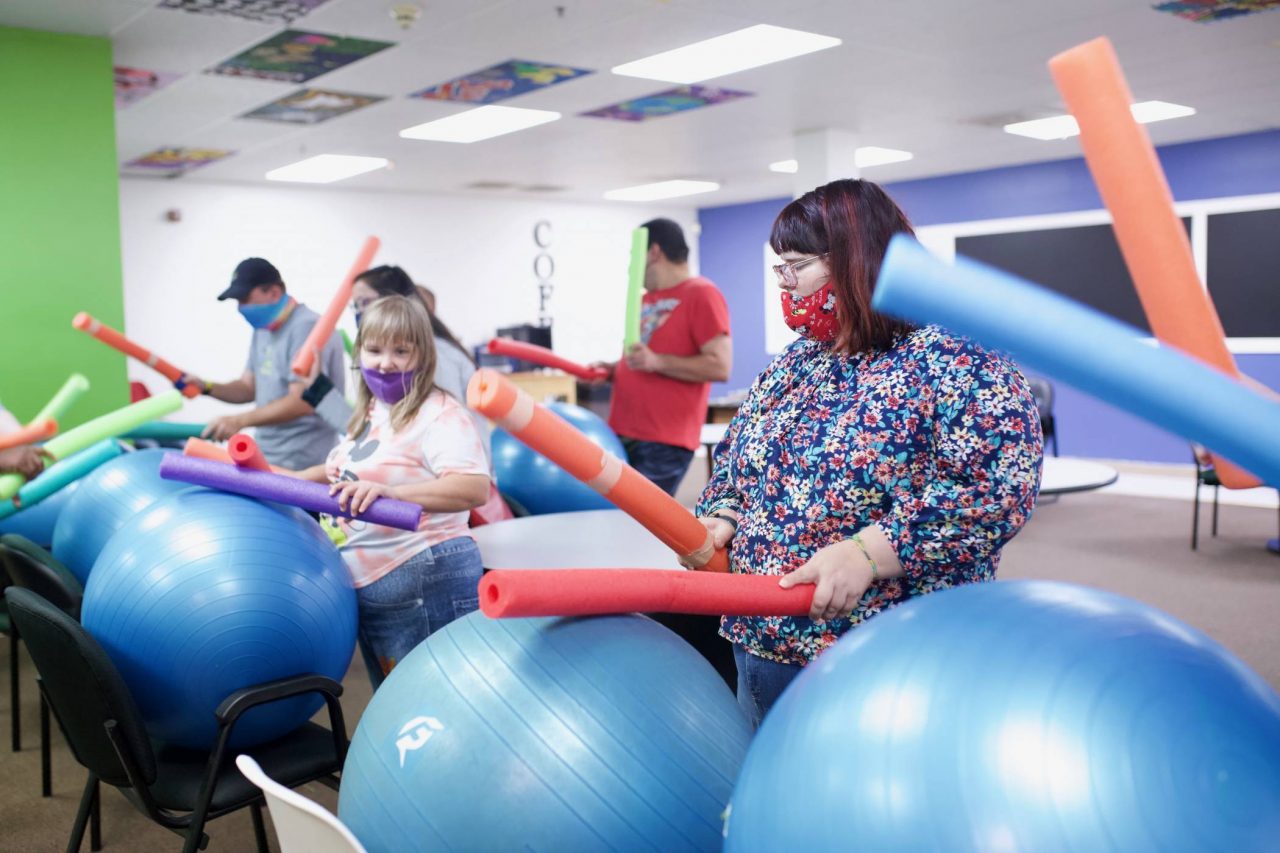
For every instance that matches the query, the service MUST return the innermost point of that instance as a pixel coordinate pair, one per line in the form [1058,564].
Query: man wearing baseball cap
[286,427]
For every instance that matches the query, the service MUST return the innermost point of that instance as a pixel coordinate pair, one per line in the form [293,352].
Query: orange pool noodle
[495,397]
[586,592]
[328,321]
[201,449]
[1133,187]
[245,453]
[29,434]
[545,357]
[109,336]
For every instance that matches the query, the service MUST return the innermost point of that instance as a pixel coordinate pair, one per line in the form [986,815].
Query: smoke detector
[405,14]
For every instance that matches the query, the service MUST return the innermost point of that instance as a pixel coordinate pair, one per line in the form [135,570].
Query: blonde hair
[388,321]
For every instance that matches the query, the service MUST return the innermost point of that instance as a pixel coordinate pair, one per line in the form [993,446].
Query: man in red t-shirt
[661,386]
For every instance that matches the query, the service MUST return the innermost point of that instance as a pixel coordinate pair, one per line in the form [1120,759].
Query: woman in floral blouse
[874,459]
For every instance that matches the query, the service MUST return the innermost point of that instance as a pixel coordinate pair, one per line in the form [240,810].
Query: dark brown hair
[851,222]
[388,280]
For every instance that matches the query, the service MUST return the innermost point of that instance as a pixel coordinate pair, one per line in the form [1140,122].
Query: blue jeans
[663,464]
[415,599]
[760,683]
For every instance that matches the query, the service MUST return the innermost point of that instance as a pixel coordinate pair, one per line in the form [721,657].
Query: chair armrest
[232,707]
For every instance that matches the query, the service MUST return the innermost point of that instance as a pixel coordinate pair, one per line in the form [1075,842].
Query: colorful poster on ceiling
[268,11]
[677,100]
[295,56]
[1203,11]
[312,106]
[505,80]
[134,84]
[172,162]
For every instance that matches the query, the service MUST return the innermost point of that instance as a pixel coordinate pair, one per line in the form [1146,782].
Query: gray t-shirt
[305,441]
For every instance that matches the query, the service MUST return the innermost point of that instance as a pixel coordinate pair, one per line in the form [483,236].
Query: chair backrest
[83,688]
[32,567]
[1042,390]
[302,826]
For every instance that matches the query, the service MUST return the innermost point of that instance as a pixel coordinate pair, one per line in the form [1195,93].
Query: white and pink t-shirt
[442,439]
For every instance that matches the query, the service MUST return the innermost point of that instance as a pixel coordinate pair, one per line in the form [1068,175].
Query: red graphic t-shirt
[649,406]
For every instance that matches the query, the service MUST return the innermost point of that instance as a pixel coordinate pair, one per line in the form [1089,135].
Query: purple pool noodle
[282,489]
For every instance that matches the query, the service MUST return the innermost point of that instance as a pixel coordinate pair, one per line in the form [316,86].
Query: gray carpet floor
[1229,588]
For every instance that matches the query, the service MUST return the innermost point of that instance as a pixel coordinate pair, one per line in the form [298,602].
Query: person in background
[661,385]
[408,440]
[26,459]
[874,459]
[287,429]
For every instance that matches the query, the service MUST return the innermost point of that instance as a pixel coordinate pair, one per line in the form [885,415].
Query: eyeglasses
[786,273]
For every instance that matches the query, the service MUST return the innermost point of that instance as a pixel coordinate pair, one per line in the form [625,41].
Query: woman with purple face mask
[873,459]
[408,440]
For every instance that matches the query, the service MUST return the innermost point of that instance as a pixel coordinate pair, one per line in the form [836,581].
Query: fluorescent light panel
[661,190]
[863,158]
[481,123]
[1065,126]
[326,168]
[736,51]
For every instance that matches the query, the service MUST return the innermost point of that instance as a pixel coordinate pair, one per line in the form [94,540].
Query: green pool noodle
[66,397]
[348,344]
[104,426]
[164,431]
[62,474]
[635,286]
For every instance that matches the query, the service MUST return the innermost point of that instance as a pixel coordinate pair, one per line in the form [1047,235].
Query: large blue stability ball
[109,496]
[204,593]
[37,522]
[540,485]
[1026,715]
[545,734]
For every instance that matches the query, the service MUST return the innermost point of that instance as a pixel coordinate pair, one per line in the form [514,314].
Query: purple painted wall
[732,237]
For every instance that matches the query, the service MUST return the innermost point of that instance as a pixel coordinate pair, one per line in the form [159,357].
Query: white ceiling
[935,77]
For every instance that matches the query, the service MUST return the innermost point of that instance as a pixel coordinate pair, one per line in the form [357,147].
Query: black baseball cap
[250,273]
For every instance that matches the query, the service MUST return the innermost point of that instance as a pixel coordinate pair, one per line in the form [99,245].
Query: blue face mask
[261,316]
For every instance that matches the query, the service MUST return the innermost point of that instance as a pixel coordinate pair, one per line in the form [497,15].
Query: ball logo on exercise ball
[415,734]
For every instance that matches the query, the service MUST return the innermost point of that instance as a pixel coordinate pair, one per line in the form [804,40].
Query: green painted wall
[59,221]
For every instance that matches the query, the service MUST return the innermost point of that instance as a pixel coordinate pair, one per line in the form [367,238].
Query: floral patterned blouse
[936,440]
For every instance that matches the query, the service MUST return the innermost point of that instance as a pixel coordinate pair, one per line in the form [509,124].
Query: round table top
[712,433]
[1062,474]
[589,539]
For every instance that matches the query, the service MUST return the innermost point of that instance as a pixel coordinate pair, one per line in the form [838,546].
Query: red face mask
[813,316]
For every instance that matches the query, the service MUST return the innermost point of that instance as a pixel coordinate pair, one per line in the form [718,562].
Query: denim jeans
[760,683]
[664,464]
[415,599]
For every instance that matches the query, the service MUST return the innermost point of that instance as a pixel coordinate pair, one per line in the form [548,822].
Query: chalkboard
[1244,272]
[1083,263]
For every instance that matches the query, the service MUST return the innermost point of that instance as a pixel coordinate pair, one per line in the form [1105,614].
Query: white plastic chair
[302,826]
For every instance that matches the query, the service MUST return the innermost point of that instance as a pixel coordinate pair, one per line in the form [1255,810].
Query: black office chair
[1205,476]
[180,789]
[31,567]
[15,695]
[1042,390]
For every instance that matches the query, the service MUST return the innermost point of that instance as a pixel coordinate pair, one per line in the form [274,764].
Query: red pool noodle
[245,453]
[328,321]
[545,357]
[581,592]
[198,448]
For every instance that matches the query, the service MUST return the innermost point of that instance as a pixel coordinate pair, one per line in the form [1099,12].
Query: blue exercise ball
[110,495]
[545,734]
[37,522]
[1024,715]
[540,485]
[204,593]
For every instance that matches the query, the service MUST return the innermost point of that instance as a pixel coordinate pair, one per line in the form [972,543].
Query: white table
[1062,475]
[589,539]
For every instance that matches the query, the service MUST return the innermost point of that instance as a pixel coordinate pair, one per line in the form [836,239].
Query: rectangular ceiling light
[326,168]
[481,123]
[736,51]
[872,155]
[1063,127]
[661,190]
[787,167]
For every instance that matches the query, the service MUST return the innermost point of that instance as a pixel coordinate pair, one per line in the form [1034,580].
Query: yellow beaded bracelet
[875,573]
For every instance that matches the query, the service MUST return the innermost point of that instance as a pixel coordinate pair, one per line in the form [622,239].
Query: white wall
[476,254]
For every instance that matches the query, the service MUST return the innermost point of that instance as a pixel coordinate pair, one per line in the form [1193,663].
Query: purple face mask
[390,388]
